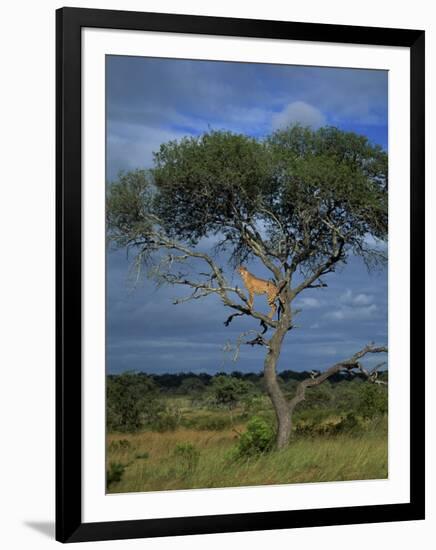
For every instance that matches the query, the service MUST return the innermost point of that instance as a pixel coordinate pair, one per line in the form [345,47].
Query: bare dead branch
[230,319]
[372,375]
[217,283]
[243,339]
[347,364]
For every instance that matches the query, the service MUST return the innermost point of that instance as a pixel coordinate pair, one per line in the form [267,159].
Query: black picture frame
[69,525]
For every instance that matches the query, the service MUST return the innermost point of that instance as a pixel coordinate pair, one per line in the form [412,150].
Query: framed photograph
[240,267]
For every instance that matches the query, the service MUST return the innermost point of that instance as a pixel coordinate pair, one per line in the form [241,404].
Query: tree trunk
[280,404]
[284,409]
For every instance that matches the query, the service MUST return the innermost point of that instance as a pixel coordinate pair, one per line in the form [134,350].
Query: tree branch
[257,245]
[321,270]
[256,340]
[372,375]
[347,364]
[222,288]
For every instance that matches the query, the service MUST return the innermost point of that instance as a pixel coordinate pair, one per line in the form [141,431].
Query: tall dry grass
[151,463]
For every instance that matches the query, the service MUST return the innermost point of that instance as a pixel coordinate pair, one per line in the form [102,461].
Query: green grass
[152,463]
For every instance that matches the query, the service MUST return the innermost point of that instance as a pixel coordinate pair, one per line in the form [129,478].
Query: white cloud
[357,300]
[347,313]
[132,146]
[362,300]
[310,303]
[298,112]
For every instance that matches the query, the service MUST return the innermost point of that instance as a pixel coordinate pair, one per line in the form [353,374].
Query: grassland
[177,432]
[149,460]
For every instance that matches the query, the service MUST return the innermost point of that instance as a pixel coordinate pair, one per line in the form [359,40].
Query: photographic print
[246,274]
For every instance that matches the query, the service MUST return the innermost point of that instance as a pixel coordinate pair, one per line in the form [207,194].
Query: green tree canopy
[132,401]
[299,198]
[228,391]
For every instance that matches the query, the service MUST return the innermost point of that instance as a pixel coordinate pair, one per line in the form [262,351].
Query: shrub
[348,423]
[131,401]
[228,391]
[314,429]
[347,395]
[114,473]
[314,416]
[257,439]
[165,422]
[253,403]
[142,455]
[318,397]
[373,400]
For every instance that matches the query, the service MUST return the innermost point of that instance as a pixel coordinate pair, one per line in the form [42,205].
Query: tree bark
[280,404]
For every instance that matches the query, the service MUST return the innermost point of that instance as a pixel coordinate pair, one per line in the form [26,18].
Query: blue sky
[150,101]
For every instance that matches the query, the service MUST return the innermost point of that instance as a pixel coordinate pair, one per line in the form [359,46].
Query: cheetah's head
[242,270]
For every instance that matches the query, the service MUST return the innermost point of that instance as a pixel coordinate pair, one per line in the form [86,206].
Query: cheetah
[254,285]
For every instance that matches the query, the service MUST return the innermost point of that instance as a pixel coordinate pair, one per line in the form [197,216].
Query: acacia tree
[300,202]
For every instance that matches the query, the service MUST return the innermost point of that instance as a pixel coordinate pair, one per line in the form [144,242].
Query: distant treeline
[190,380]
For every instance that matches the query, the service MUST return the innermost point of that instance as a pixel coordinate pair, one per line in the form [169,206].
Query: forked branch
[215,282]
[347,364]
